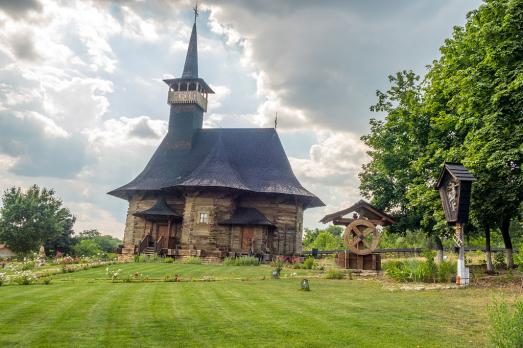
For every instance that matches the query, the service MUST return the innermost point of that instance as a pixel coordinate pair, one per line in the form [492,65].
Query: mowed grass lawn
[84,309]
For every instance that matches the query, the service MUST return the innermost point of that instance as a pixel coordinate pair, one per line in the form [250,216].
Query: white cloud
[82,110]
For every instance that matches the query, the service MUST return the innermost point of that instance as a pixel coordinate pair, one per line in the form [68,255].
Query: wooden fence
[403,252]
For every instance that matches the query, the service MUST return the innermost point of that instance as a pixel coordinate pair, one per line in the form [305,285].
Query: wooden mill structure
[361,236]
[213,192]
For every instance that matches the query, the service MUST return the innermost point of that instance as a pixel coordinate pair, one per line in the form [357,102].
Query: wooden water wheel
[361,237]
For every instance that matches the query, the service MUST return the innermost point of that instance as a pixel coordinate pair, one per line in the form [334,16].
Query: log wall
[214,239]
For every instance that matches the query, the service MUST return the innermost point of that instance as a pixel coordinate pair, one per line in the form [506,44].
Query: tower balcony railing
[187,97]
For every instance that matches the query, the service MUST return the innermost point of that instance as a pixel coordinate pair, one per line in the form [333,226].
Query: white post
[462,271]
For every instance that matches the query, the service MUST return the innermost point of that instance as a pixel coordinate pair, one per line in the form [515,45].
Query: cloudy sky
[83,107]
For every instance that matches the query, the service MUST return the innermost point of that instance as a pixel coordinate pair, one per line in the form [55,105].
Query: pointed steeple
[190,69]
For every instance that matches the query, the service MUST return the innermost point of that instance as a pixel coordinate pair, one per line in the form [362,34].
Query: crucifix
[195,9]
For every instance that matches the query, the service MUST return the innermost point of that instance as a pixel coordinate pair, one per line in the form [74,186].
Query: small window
[204,218]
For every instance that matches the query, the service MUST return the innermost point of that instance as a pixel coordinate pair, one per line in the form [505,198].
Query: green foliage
[192,260]
[106,243]
[468,109]
[168,260]
[309,236]
[334,273]
[32,218]
[63,243]
[499,261]
[23,278]
[409,239]
[87,247]
[308,263]
[47,280]
[420,271]
[28,265]
[146,258]
[327,241]
[506,322]
[241,261]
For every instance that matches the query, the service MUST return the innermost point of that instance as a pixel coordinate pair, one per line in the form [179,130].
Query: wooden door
[247,236]
[162,231]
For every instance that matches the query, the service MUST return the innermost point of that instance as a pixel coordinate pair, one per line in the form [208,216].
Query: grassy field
[85,309]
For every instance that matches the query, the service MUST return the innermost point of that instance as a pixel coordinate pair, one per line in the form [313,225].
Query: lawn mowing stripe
[261,313]
[12,293]
[230,325]
[60,325]
[35,297]
[38,323]
[189,300]
[184,321]
[136,320]
[114,315]
[97,318]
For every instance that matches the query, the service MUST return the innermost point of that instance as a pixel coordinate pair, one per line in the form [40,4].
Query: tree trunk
[505,225]
[488,254]
[439,248]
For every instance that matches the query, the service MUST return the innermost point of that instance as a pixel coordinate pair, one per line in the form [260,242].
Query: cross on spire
[195,9]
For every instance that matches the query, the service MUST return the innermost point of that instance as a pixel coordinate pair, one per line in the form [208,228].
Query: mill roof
[364,209]
[248,159]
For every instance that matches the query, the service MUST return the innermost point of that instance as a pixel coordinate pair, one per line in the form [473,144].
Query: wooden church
[213,192]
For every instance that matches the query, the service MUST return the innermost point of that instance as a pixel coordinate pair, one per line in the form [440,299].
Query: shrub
[28,265]
[334,273]
[192,260]
[145,258]
[241,261]
[420,271]
[168,278]
[112,274]
[3,278]
[47,280]
[506,323]
[499,260]
[167,260]
[87,247]
[308,263]
[24,278]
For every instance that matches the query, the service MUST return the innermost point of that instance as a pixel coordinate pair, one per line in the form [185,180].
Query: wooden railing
[161,244]
[187,97]
[144,243]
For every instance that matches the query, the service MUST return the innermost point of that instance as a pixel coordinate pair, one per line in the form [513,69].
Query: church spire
[190,69]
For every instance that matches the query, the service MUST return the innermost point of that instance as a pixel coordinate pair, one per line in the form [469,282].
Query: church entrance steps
[149,251]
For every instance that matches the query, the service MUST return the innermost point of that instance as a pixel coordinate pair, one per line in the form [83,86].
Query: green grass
[84,309]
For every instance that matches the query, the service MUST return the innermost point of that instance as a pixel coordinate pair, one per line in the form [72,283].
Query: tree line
[468,108]
[36,217]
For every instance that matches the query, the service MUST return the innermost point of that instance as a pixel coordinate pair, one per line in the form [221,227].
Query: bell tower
[187,97]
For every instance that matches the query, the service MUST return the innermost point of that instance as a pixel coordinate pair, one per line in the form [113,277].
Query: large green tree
[475,97]
[469,109]
[395,179]
[105,243]
[30,219]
